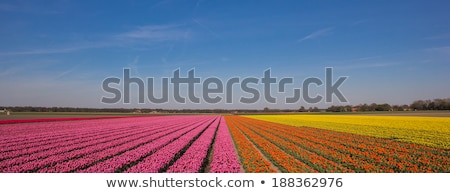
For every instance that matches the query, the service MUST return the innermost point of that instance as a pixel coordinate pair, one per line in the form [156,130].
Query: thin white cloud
[352,60]
[63,74]
[365,58]
[360,62]
[61,50]
[143,34]
[155,33]
[322,32]
[40,51]
[369,65]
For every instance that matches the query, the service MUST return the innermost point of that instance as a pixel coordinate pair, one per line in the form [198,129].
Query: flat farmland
[225,144]
[134,144]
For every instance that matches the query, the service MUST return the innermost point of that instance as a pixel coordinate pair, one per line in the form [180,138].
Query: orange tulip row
[250,158]
[312,159]
[388,159]
[381,146]
[331,151]
[284,161]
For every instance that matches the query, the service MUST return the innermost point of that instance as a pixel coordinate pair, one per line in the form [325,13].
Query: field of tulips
[133,144]
[225,144]
[269,147]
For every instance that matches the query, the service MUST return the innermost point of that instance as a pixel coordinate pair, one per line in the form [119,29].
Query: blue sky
[57,53]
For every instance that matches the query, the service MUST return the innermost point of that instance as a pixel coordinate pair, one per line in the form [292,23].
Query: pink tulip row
[76,151]
[128,146]
[43,144]
[47,148]
[225,159]
[48,132]
[37,160]
[79,140]
[137,144]
[36,163]
[192,160]
[117,162]
[14,133]
[54,119]
[161,158]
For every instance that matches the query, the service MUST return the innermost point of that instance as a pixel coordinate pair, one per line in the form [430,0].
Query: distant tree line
[310,109]
[129,110]
[436,104]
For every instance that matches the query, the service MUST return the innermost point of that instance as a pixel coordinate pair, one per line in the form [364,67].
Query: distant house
[2,110]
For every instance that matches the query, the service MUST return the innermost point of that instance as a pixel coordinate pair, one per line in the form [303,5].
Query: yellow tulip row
[430,131]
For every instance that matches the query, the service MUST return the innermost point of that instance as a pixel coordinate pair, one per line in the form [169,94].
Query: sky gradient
[57,53]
